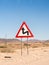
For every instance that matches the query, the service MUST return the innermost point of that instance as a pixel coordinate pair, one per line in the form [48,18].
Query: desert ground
[10,53]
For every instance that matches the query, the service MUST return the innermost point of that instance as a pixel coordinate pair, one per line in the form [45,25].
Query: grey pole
[27,47]
[21,46]
[6,40]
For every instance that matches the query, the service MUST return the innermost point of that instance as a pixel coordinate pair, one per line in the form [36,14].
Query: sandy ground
[36,56]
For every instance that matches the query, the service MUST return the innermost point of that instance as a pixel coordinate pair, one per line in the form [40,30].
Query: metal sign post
[21,46]
[6,40]
[27,47]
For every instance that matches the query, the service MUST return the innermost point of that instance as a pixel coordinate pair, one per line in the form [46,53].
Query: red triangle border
[24,23]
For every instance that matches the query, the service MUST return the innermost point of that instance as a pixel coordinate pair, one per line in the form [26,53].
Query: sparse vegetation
[34,46]
[10,47]
[46,44]
[2,46]
[26,44]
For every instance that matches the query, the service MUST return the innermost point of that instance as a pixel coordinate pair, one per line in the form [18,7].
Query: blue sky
[34,12]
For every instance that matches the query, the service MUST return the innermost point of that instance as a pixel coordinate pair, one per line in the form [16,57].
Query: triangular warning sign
[24,31]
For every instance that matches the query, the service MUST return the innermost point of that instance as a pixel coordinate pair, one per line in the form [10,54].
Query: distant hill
[29,41]
[9,40]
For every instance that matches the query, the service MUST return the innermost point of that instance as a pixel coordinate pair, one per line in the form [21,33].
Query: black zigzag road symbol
[24,32]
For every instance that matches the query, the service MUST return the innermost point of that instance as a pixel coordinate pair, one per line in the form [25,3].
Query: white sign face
[24,31]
